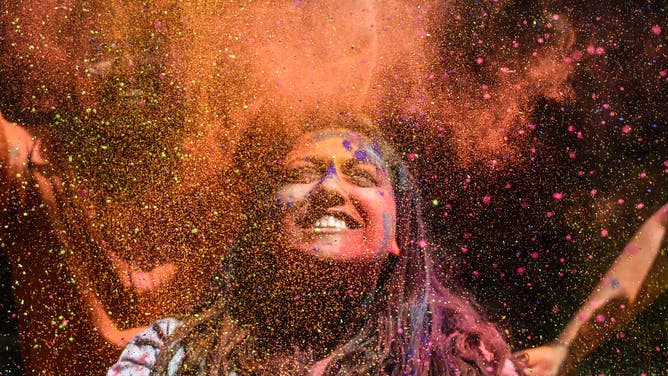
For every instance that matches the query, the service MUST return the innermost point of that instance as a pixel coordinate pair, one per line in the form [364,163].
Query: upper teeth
[330,221]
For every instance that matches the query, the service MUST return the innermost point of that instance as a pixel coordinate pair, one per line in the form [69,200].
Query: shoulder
[139,356]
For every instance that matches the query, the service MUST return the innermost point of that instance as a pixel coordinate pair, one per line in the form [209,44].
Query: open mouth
[329,221]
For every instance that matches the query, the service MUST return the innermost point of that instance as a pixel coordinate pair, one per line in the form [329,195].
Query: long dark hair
[413,325]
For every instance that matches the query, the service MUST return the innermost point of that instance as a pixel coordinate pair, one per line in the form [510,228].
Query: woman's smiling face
[337,200]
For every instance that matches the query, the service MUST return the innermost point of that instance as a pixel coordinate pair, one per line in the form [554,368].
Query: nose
[330,190]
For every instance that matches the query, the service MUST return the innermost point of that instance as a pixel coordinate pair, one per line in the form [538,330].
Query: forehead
[336,144]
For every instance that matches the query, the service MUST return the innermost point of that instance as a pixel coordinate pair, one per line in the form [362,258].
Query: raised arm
[636,278]
[17,147]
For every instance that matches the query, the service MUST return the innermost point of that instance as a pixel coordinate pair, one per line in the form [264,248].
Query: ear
[394,247]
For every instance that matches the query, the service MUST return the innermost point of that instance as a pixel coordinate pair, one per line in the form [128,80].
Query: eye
[303,174]
[362,177]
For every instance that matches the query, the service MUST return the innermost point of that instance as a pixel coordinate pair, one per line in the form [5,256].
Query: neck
[304,303]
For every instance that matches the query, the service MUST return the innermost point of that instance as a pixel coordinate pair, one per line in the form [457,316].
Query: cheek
[382,205]
[389,216]
[388,225]
[289,195]
[386,203]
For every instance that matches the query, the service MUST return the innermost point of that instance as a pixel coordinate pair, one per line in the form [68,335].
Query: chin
[340,253]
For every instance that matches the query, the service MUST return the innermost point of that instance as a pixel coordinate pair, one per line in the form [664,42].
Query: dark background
[528,258]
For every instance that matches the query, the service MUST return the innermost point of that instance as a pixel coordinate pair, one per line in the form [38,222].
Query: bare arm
[20,157]
[16,146]
[636,278]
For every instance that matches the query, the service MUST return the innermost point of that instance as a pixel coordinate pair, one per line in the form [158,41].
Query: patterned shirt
[140,355]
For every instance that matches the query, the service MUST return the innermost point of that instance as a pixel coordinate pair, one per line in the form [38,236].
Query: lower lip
[329,230]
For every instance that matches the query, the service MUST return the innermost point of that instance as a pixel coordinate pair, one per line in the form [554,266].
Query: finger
[522,358]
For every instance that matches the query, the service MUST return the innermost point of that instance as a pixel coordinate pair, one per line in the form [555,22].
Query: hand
[662,215]
[140,281]
[19,144]
[545,360]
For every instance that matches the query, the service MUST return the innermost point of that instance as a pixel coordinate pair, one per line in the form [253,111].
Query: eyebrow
[360,156]
[370,155]
[357,162]
[308,158]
